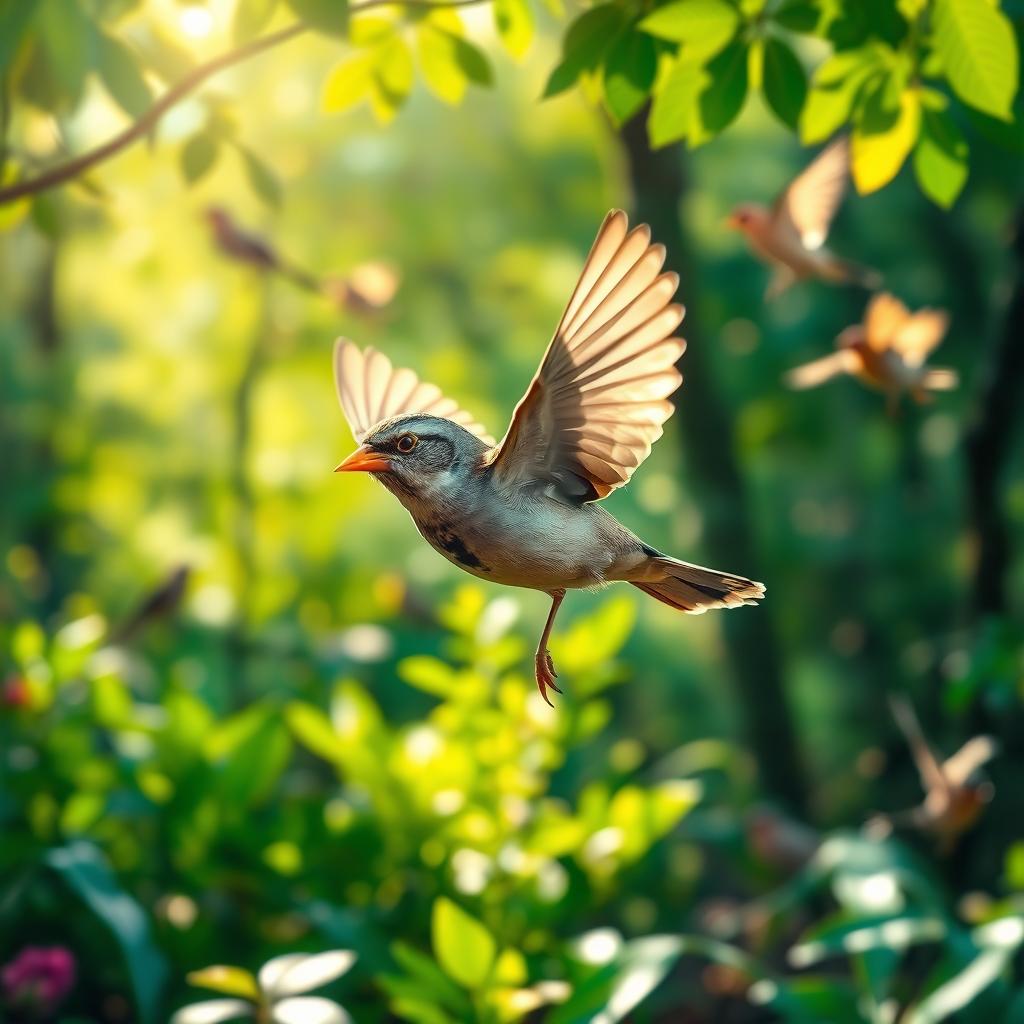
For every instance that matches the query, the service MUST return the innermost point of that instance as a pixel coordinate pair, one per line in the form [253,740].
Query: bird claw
[546,675]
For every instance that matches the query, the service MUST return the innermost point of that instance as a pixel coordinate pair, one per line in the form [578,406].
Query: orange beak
[732,221]
[365,460]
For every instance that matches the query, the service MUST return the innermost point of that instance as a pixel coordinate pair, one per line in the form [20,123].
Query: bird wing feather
[598,401]
[371,390]
[816,372]
[920,334]
[969,758]
[885,319]
[809,202]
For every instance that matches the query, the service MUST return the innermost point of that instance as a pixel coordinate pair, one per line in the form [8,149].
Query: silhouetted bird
[160,603]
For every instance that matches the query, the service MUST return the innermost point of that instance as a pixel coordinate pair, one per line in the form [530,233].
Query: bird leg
[545,669]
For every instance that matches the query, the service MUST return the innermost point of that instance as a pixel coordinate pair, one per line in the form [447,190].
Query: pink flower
[38,978]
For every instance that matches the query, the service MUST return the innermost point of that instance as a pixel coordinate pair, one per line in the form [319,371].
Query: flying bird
[245,247]
[523,512]
[790,235]
[366,288]
[887,351]
[954,796]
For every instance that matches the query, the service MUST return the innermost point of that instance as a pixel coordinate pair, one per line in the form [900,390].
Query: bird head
[217,217]
[748,218]
[853,336]
[415,453]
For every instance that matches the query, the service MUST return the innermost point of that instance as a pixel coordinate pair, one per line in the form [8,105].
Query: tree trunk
[659,183]
[988,445]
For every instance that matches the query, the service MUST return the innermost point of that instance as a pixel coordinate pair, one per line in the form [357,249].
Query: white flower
[278,989]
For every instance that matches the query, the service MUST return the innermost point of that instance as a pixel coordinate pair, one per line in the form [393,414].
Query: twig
[141,127]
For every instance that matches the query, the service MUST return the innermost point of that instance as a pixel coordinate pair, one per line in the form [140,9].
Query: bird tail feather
[694,589]
[941,379]
[855,273]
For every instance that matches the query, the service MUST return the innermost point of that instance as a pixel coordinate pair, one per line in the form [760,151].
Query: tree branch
[176,93]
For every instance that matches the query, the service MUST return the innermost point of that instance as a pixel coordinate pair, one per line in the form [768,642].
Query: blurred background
[246,712]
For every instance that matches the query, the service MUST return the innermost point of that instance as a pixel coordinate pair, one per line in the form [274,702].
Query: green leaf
[250,751]
[674,110]
[514,22]
[462,945]
[15,18]
[393,76]
[328,16]
[87,874]
[584,46]
[705,27]
[347,84]
[836,87]
[198,156]
[940,158]
[68,44]
[428,674]
[122,77]
[12,214]
[262,179]
[978,49]
[473,62]
[250,17]
[312,728]
[230,981]
[629,72]
[783,81]
[723,99]
[431,979]
[799,16]
[878,149]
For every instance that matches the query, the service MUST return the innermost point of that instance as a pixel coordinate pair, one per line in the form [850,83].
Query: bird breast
[524,539]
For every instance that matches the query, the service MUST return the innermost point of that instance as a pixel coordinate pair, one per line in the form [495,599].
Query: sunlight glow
[195,22]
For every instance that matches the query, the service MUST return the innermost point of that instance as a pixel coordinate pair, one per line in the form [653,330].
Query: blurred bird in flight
[954,796]
[523,512]
[790,235]
[887,351]
[367,287]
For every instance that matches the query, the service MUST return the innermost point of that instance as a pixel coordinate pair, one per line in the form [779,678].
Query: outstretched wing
[921,333]
[969,758]
[885,319]
[598,401]
[810,201]
[371,390]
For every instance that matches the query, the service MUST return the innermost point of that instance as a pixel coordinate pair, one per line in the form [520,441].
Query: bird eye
[406,443]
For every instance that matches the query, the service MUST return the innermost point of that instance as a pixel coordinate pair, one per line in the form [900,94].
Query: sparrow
[954,796]
[366,288]
[244,247]
[524,512]
[886,351]
[790,236]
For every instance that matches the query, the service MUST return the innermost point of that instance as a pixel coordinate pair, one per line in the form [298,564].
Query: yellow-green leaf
[514,22]
[347,84]
[975,41]
[877,156]
[231,981]
[12,214]
[940,158]
[704,27]
[462,945]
